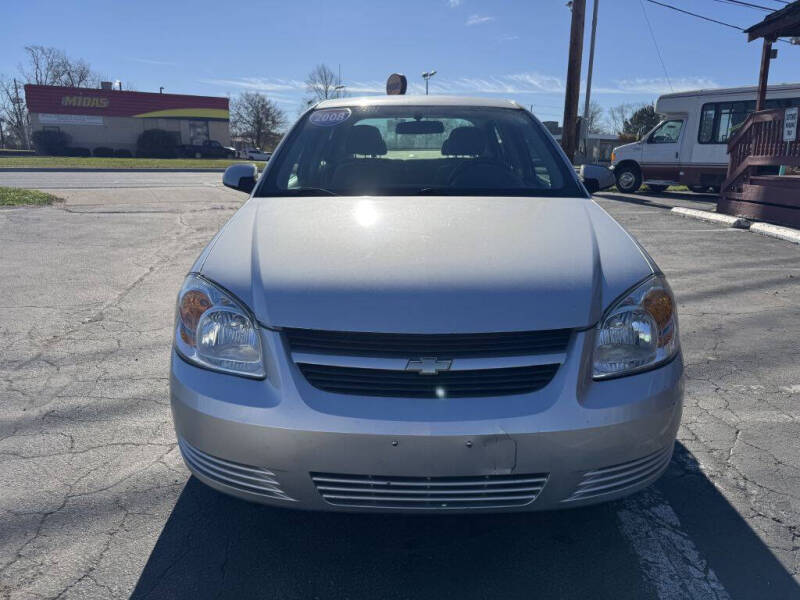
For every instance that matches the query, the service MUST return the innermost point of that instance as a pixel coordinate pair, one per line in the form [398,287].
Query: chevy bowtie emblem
[428,365]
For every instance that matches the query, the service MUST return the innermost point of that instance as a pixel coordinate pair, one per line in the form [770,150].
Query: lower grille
[254,480]
[618,478]
[443,493]
[446,384]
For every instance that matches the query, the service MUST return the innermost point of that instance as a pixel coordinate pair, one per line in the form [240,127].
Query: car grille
[253,480]
[446,384]
[618,478]
[457,345]
[489,491]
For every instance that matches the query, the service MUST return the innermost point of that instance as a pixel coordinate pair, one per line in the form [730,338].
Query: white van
[690,145]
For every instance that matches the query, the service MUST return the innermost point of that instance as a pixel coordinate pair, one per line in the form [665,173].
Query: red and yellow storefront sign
[112,103]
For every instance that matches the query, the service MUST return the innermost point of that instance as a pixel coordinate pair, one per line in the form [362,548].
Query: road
[96,502]
[74,180]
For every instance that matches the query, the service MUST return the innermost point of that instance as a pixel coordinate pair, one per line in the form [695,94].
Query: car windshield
[411,150]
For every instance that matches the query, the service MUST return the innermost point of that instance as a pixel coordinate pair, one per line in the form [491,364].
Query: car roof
[418,100]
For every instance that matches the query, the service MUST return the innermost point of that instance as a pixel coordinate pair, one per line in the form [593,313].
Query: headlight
[638,332]
[214,331]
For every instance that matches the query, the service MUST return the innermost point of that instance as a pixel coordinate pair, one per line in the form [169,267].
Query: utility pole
[568,137]
[586,106]
[2,135]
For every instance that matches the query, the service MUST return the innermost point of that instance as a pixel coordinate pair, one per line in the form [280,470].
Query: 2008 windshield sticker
[329,117]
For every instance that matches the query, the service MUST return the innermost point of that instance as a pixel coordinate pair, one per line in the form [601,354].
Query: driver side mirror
[241,176]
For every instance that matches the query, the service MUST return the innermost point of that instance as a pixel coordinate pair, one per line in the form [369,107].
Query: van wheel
[698,189]
[656,188]
[629,179]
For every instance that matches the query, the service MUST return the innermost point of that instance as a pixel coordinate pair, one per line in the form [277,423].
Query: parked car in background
[420,308]
[255,154]
[690,145]
[208,149]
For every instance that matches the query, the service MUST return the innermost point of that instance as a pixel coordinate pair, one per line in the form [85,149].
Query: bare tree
[43,65]
[257,119]
[595,122]
[619,114]
[51,66]
[78,73]
[13,113]
[322,84]
[631,121]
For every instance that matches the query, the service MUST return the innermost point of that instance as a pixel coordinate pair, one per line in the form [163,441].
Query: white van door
[661,153]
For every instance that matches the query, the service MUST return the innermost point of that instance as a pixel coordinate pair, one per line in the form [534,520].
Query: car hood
[424,264]
[633,147]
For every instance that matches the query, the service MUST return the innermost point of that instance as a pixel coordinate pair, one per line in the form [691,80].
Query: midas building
[114,118]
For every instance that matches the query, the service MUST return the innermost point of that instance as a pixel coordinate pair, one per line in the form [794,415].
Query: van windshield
[411,150]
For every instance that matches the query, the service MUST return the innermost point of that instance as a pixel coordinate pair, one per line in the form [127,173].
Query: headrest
[365,139]
[464,140]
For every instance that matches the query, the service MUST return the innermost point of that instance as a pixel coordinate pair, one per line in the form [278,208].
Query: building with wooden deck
[763,180]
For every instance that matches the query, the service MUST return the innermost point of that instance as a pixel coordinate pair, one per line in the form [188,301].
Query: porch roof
[781,23]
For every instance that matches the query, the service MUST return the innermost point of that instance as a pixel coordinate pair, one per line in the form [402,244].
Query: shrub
[157,143]
[123,153]
[51,141]
[103,151]
[77,151]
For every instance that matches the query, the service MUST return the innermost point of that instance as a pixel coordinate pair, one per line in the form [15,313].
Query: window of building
[198,132]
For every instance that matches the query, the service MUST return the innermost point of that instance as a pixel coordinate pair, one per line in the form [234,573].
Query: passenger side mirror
[596,178]
[241,176]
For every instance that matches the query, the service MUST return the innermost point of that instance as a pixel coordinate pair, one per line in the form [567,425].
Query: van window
[719,121]
[667,133]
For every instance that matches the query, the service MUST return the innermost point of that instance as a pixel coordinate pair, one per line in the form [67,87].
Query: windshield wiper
[305,191]
[435,191]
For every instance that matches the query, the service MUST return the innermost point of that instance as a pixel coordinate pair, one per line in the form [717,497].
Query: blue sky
[514,49]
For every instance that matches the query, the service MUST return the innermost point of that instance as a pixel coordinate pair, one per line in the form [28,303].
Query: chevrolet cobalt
[420,308]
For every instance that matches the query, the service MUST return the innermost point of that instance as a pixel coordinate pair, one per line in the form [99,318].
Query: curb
[713,217]
[776,231]
[102,170]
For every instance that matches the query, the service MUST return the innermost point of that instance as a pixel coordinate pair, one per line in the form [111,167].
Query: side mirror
[240,177]
[596,178]
[591,185]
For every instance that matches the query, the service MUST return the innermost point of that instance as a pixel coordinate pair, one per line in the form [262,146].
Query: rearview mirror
[241,176]
[419,127]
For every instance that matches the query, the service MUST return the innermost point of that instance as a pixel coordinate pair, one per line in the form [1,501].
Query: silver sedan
[420,308]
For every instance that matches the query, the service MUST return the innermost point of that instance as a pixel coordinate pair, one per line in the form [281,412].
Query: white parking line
[668,557]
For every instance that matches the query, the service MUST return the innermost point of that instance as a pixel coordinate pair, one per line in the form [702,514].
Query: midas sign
[84,101]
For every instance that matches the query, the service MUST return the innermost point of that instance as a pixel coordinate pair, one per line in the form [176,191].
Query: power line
[655,43]
[747,4]
[686,12]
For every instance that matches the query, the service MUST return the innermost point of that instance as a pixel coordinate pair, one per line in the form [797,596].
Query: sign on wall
[50,119]
[790,124]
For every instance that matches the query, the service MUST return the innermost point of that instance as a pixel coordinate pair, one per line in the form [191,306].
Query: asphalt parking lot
[96,503]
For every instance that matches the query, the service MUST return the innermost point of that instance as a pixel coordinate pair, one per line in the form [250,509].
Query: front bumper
[583,441]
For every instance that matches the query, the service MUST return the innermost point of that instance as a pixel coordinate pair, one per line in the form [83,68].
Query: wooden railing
[753,188]
[759,142]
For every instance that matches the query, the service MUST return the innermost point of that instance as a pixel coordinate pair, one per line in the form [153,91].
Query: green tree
[641,121]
